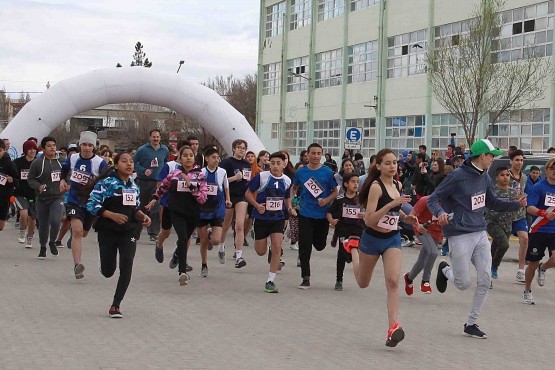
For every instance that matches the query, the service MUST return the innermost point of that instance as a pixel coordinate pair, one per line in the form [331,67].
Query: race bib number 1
[313,187]
[3,179]
[55,176]
[129,197]
[478,201]
[274,204]
[351,211]
[389,222]
[550,200]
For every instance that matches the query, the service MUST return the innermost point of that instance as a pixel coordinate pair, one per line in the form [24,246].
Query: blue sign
[353,134]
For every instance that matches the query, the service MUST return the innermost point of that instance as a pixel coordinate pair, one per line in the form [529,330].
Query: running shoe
[298,262]
[425,287]
[240,262]
[252,233]
[183,278]
[445,250]
[221,257]
[78,270]
[270,287]
[197,241]
[294,247]
[204,271]
[339,285]
[188,268]
[269,253]
[520,276]
[68,243]
[42,253]
[305,284]
[59,244]
[527,297]
[53,249]
[441,279]
[494,272]
[115,313]
[541,276]
[281,263]
[21,238]
[333,241]
[153,238]
[16,225]
[474,331]
[409,287]
[491,284]
[29,242]
[245,243]
[210,246]
[158,253]
[395,334]
[174,262]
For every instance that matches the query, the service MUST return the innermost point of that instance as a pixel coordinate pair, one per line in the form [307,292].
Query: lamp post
[180,64]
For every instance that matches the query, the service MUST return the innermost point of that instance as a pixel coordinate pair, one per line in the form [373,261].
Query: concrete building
[326,65]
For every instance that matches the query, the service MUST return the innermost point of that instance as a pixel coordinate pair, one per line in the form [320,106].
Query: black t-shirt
[23,189]
[346,210]
[232,165]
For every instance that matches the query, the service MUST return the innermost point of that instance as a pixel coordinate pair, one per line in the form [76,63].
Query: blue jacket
[149,158]
[530,184]
[456,194]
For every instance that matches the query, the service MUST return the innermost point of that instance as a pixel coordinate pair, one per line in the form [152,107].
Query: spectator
[331,163]
[358,163]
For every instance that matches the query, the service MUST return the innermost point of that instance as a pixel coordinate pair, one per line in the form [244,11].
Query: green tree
[139,58]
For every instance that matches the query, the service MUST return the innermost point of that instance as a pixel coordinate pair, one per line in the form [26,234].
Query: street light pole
[180,64]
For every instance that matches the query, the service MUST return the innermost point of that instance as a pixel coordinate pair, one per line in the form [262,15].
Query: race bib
[154,162]
[79,177]
[389,222]
[247,174]
[56,175]
[274,204]
[350,211]
[478,201]
[182,186]
[129,197]
[212,189]
[3,179]
[24,174]
[549,200]
[313,187]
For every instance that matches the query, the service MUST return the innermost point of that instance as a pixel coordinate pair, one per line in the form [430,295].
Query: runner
[520,223]
[465,193]
[66,224]
[382,196]
[81,170]
[115,200]
[269,194]
[345,214]
[8,180]
[318,191]
[541,203]
[25,195]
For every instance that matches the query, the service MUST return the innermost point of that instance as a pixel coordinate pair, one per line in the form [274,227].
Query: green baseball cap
[484,146]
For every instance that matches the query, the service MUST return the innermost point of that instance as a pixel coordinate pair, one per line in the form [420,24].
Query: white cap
[87,137]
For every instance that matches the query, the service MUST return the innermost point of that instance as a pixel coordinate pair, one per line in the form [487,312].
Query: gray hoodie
[456,194]
[41,173]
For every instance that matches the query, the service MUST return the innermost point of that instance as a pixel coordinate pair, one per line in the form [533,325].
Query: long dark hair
[289,168]
[372,176]
[342,170]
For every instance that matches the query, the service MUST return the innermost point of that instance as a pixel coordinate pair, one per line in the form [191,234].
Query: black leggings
[312,231]
[184,227]
[109,243]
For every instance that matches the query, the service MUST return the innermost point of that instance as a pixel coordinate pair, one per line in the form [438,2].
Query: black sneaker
[245,243]
[339,285]
[305,284]
[59,244]
[188,268]
[197,242]
[53,249]
[474,331]
[158,253]
[240,263]
[174,262]
[270,287]
[42,253]
[441,279]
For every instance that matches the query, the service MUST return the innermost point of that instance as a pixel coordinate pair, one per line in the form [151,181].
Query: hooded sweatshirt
[7,168]
[41,173]
[462,190]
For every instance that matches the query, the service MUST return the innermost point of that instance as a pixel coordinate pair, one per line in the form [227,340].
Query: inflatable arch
[130,85]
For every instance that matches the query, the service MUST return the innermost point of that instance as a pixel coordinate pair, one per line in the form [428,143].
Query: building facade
[327,65]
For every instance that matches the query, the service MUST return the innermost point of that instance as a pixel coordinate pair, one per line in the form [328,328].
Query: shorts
[520,225]
[250,208]
[375,246]
[23,203]
[166,217]
[4,210]
[79,213]
[263,229]
[537,243]
[236,199]
[214,222]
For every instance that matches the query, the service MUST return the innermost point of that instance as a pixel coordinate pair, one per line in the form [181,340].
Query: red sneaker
[115,313]
[425,287]
[409,288]
[350,243]
[395,334]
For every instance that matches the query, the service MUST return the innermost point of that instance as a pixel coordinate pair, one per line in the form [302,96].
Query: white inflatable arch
[130,85]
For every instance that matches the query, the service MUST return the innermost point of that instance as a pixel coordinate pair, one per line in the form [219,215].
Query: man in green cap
[459,203]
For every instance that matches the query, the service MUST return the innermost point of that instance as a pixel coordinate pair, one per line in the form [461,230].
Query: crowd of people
[374,211]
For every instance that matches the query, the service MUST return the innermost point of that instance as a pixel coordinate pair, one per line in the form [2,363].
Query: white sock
[221,247]
[239,253]
[271,276]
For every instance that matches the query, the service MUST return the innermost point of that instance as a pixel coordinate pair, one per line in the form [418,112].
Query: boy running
[25,195]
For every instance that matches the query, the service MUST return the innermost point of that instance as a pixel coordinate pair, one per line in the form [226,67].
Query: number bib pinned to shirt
[154,163]
[350,211]
[3,179]
[211,189]
[182,186]
[390,221]
[478,201]
[313,187]
[247,174]
[274,204]
[129,197]
[549,200]
[80,177]
[56,175]
[24,174]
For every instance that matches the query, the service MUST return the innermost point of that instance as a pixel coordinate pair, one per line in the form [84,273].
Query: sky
[51,40]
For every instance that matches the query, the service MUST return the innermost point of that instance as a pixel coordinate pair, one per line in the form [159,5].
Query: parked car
[530,160]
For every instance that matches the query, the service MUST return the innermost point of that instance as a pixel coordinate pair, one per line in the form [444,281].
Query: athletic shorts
[23,203]
[520,225]
[214,222]
[263,229]
[79,213]
[4,209]
[166,216]
[236,199]
[537,242]
[250,208]
[375,246]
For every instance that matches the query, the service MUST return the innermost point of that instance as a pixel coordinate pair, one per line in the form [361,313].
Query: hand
[148,172]
[9,179]
[261,208]
[421,229]
[228,204]
[238,176]
[550,216]
[293,212]
[443,219]
[63,186]
[146,221]
[411,219]
[522,200]
[401,200]
[150,205]
[118,218]
[322,202]
[42,188]
[334,222]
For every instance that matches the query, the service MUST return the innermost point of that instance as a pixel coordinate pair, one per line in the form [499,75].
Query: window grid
[328,9]
[368,126]
[443,125]
[294,138]
[527,129]
[272,79]
[275,18]
[363,62]
[297,74]
[275,130]
[301,13]
[449,34]
[526,32]
[404,133]
[329,68]
[406,54]
[361,4]
[326,133]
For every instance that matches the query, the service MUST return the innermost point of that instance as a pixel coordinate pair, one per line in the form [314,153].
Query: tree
[139,58]
[473,78]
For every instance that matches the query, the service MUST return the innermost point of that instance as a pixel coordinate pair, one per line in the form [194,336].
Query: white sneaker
[527,297]
[294,247]
[29,242]
[520,276]
[21,238]
[541,276]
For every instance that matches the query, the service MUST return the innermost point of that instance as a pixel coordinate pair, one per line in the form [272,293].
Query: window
[368,126]
[295,138]
[272,79]
[301,13]
[406,54]
[328,9]
[405,133]
[450,34]
[525,33]
[275,130]
[329,68]
[326,133]
[527,129]
[275,16]
[443,125]
[297,74]
[363,62]
[361,4]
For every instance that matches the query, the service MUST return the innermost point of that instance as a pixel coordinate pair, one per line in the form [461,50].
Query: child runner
[269,194]
[520,223]
[25,195]
[66,224]
[115,200]
[213,210]
[382,196]
[8,178]
[345,214]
